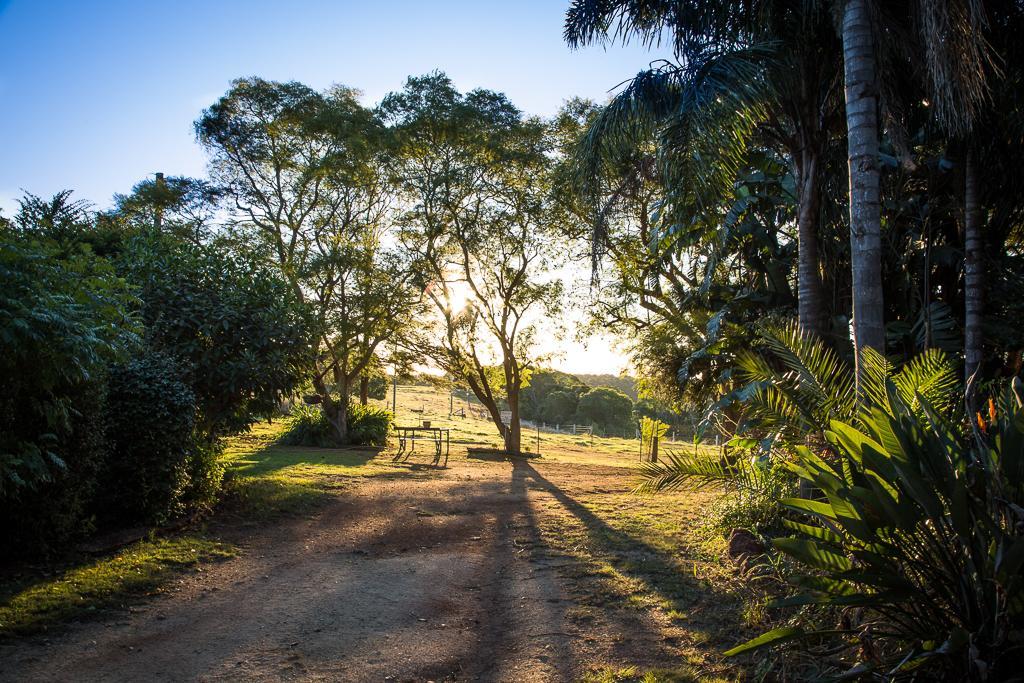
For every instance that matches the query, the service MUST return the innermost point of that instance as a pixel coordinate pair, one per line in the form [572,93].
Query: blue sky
[96,95]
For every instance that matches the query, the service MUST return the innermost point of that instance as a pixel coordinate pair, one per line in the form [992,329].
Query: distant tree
[558,407]
[622,383]
[184,207]
[542,383]
[605,408]
[306,175]
[475,176]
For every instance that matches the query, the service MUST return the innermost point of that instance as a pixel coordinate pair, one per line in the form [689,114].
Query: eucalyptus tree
[305,173]
[475,181]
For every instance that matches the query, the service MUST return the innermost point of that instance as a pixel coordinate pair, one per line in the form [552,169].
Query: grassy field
[418,403]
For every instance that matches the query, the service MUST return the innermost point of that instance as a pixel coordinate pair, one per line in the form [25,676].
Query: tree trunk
[810,298]
[514,438]
[364,390]
[339,415]
[865,210]
[335,411]
[973,279]
[491,406]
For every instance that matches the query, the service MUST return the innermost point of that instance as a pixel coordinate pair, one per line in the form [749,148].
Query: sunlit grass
[34,604]
[418,403]
[634,675]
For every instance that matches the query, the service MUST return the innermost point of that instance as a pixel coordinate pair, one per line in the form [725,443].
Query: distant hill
[626,385]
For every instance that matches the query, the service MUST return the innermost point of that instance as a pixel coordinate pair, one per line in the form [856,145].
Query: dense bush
[87,438]
[154,457]
[367,425]
[63,317]
[44,518]
[237,329]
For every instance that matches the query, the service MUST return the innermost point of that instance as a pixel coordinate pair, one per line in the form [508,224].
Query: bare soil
[445,577]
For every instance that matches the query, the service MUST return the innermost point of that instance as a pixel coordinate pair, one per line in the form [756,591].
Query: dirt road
[424,578]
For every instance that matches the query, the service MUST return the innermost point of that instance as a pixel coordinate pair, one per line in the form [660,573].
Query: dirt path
[432,578]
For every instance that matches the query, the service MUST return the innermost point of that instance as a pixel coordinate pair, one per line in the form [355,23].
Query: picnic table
[437,436]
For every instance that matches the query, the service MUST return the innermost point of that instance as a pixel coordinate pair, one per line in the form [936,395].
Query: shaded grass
[36,603]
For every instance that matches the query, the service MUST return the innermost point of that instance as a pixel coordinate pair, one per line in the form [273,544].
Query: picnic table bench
[439,438]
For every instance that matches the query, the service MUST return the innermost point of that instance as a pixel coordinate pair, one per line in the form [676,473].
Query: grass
[34,604]
[633,675]
[417,403]
[263,481]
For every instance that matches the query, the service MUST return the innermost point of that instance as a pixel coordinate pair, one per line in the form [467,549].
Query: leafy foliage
[155,459]
[64,315]
[605,408]
[920,526]
[308,426]
[236,328]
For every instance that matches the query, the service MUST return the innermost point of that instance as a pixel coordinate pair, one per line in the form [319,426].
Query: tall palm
[861,89]
[765,67]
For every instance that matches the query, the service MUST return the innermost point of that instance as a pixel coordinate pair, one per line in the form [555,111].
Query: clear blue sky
[96,95]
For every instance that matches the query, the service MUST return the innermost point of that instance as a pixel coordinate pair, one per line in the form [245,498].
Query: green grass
[263,481]
[38,603]
[417,403]
[633,675]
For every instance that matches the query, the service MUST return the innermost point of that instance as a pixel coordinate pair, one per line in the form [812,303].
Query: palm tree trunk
[810,299]
[974,297]
[865,209]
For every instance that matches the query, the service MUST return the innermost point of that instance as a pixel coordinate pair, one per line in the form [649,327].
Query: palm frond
[699,469]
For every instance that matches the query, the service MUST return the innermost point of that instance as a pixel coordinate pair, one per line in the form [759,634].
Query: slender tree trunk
[810,298]
[491,406]
[973,278]
[865,209]
[364,390]
[514,440]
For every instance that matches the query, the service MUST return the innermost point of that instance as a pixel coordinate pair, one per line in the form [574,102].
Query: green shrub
[308,426]
[369,425]
[918,531]
[154,453]
[44,519]
[63,317]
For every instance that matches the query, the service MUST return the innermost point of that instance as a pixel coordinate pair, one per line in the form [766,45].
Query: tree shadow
[496,455]
[668,578]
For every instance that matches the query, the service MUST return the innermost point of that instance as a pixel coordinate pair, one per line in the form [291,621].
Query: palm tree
[765,68]
[861,88]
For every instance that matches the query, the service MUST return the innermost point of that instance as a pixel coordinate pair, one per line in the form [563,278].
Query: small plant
[308,426]
[369,425]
